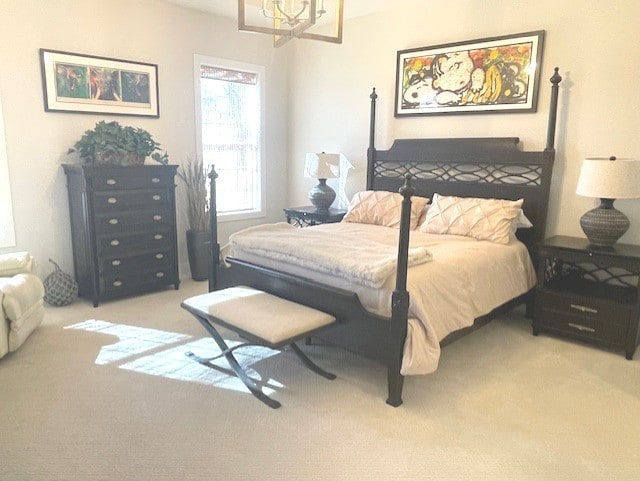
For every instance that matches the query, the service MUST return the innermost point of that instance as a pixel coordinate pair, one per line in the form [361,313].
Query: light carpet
[106,394]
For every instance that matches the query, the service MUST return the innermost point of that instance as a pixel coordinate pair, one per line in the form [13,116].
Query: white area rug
[107,394]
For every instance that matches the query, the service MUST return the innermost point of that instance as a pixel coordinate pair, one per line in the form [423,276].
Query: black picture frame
[496,75]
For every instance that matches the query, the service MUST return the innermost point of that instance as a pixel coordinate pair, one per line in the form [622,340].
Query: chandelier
[287,19]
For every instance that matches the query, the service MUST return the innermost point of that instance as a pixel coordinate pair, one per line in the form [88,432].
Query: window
[229,124]
[7,233]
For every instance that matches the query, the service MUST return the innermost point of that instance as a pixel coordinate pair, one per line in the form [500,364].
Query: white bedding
[465,279]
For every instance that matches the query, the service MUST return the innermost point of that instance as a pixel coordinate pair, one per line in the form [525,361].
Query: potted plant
[111,143]
[195,179]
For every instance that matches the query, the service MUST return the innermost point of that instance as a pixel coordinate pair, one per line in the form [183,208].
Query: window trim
[7,233]
[260,71]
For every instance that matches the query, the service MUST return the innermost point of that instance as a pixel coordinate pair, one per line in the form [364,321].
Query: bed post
[214,245]
[372,131]
[400,301]
[553,110]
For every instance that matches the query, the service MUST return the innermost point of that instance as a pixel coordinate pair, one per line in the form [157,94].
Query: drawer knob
[111,182]
[157,217]
[113,221]
[117,283]
[116,262]
[112,200]
[581,308]
[159,256]
[156,197]
[155,180]
[158,236]
[115,242]
[159,275]
[581,328]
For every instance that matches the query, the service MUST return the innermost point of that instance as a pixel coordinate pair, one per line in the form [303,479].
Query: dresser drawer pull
[157,217]
[580,308]
[159,256]
[581,328]
[116,262]
[159,275]
[155,180]
[156,197]
[115,242]
[117,283]
[158,236]
[113,221]
[112,200]
[111,182]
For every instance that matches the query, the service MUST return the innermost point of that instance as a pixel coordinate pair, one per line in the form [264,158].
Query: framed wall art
[81,83]
[499,74]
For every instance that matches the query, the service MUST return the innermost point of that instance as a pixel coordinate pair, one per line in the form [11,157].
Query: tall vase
[199,252]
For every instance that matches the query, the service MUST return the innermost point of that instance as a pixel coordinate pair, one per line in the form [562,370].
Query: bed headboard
[491,167]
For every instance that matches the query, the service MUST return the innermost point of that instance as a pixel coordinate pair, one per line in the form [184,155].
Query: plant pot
[199,252]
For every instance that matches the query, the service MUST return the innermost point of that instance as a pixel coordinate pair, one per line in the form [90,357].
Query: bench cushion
[259,313]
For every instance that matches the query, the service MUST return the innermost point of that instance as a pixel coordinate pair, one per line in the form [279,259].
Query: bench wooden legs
[239,371]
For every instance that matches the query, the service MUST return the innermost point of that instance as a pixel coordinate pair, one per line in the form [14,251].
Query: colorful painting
[497,74]
[89,84]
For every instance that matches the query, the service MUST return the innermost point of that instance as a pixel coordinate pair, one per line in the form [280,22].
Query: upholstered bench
[260,318]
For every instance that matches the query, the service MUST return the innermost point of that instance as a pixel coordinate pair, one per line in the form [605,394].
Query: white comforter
[465,279]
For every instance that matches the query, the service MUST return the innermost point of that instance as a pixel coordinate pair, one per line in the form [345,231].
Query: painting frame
[489,75]
[89,84]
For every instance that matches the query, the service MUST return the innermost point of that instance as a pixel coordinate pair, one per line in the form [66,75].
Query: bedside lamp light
[322,167]
[608,179]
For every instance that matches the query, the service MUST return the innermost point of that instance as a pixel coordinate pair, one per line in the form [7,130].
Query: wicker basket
[60,289]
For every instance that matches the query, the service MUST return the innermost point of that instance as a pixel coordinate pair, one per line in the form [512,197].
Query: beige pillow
[483,219]
[380,207]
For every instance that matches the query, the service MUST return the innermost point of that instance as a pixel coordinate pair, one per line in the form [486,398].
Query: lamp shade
[322,166]
[609,178]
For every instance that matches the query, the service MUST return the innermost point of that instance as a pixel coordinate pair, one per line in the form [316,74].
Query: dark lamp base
[605,224]
[322,196]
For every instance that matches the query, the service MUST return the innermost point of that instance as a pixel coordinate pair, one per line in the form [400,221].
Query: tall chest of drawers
[123,224]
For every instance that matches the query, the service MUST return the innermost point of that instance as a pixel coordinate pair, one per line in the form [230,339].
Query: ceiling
[229,8]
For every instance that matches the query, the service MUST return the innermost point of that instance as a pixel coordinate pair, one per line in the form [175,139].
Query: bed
[385,328]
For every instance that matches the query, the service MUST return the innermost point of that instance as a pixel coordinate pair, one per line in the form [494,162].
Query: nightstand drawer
[581,327]
[586,307]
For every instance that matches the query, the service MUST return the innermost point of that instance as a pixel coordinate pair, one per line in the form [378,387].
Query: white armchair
[21,300]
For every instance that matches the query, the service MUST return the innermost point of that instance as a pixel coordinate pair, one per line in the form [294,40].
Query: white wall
[593,42]
[142,30]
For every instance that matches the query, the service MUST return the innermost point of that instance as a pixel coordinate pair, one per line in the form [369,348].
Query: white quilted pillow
[483,219]
[382,208]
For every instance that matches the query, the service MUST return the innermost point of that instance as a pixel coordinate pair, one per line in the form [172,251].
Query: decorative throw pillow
[483,219]
[382,208]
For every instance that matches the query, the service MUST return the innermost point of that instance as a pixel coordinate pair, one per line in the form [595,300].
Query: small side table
[589,293]
[308,215]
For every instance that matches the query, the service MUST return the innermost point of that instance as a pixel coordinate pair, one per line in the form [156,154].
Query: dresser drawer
[594,308]
[128,244]
[128,283]
[116,222]
[586,318]
[119,265]
[104,202]
[581,327]
[116,178]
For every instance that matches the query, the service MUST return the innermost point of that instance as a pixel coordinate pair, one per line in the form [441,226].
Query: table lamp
[322,166]
[608,179]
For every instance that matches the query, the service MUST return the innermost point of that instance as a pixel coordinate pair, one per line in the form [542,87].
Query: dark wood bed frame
[466,167]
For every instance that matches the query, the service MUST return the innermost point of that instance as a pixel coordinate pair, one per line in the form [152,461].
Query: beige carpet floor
[107,394]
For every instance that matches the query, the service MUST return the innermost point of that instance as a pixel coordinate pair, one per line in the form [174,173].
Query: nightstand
[588,293]
[309,215]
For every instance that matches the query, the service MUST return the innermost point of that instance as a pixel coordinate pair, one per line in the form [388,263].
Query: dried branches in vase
[195,179]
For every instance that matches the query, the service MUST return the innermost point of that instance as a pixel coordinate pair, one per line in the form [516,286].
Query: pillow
[483,219]
[382,208]
[520,222]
